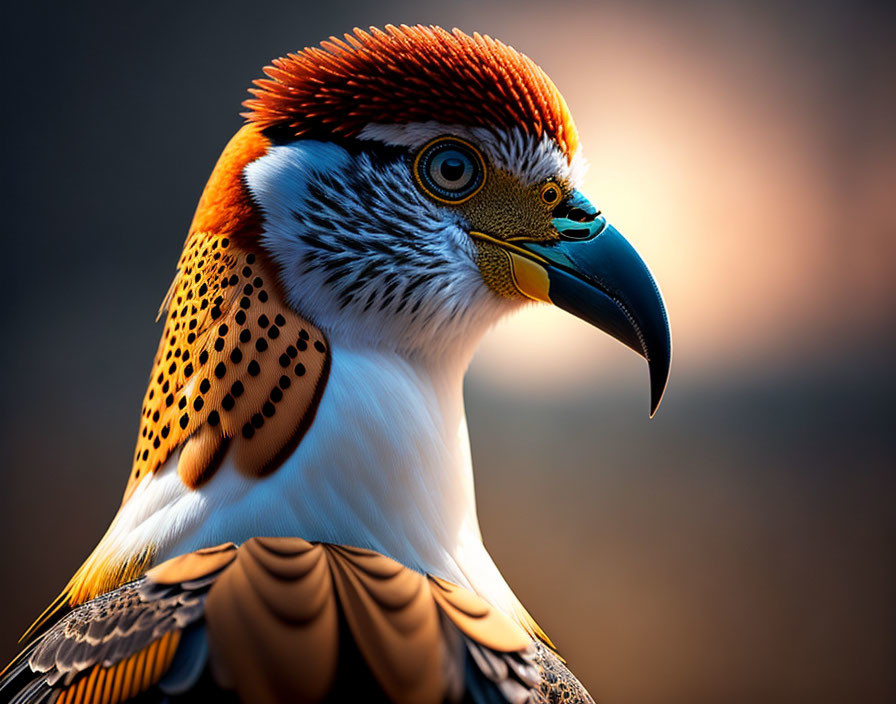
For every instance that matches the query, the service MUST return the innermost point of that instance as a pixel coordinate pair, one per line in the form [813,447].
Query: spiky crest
[409,74]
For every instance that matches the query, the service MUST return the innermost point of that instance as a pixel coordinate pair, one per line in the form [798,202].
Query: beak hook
[592,272]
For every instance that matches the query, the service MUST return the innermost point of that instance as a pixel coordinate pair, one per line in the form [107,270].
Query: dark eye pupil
[449,170]
[452,169]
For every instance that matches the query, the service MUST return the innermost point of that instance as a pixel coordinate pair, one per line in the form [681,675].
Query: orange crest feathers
[409,74]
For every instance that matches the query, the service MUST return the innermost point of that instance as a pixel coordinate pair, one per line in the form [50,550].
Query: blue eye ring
[450,170]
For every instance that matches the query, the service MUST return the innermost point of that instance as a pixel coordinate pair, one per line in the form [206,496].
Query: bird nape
[299,523]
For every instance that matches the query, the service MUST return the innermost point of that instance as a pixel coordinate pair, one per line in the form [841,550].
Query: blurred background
[739,547]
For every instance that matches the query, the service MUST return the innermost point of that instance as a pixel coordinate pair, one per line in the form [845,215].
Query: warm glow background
[719,141]
[741,546]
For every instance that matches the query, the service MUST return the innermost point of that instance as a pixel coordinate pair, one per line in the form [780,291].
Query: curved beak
[595,274]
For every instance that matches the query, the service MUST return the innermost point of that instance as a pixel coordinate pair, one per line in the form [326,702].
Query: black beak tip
[658,366]
[658,380]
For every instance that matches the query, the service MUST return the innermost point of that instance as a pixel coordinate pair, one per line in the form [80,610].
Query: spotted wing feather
[236,369]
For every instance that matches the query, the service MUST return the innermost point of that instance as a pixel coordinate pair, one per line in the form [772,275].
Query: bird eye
[450,170]
[550,193]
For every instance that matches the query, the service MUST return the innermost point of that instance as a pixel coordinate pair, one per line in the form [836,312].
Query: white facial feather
[366,256]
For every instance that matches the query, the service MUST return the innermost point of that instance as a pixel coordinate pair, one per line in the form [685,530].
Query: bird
[299,522]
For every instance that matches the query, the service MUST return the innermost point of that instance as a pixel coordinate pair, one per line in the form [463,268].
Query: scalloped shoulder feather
[282,619]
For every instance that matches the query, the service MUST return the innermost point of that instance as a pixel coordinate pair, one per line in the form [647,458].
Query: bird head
[414,185]
[397,190]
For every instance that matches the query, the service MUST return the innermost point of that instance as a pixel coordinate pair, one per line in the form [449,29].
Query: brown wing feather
[122,643]
[125,680]
[395,623]
[272,621]
[476,619]
[274,632]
